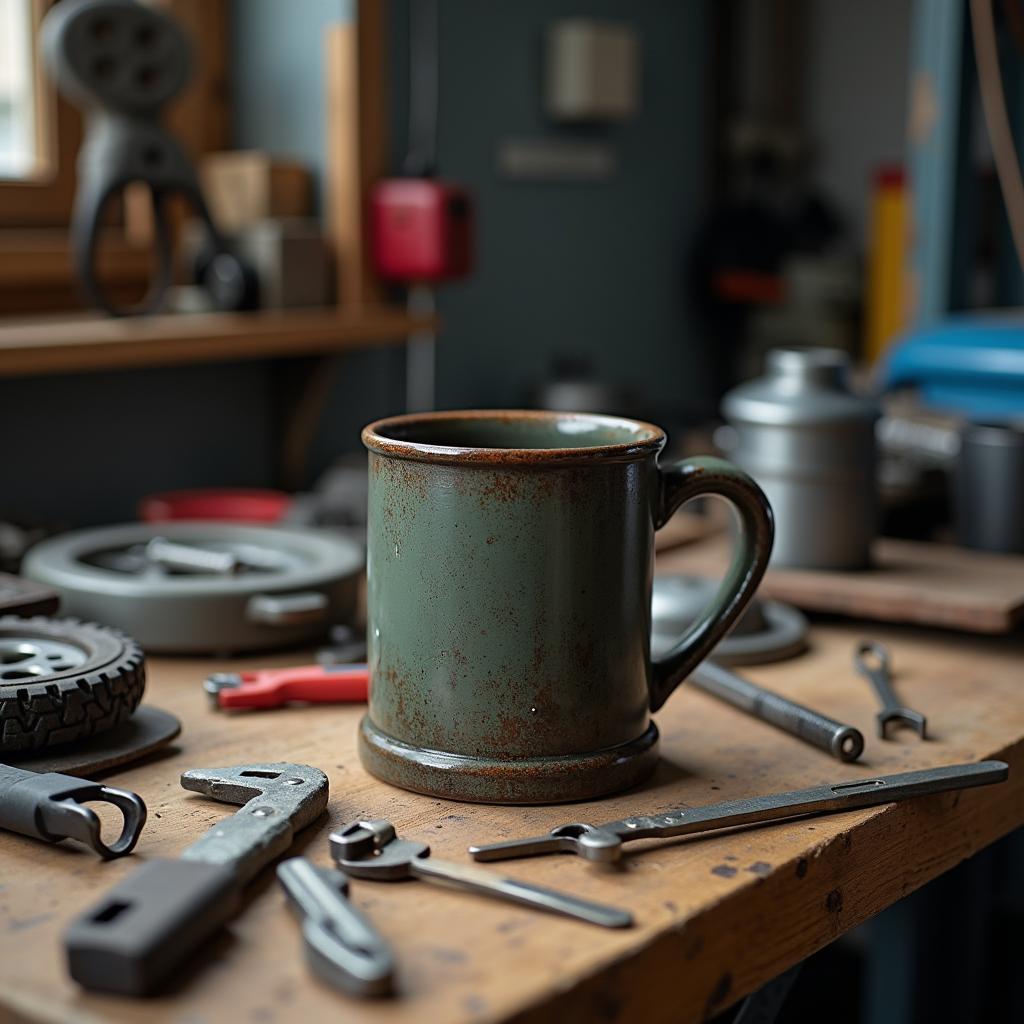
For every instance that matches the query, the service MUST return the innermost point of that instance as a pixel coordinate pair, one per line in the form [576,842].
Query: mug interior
[521,431]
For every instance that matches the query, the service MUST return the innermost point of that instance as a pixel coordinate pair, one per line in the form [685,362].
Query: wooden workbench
[716,917]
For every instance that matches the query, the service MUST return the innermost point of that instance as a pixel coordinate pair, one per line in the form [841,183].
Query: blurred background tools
[341,947]
[123,62]
[373,850]
[872,661]
[841,741]
[603,843]
[275,687]
[51,807]
[151,922]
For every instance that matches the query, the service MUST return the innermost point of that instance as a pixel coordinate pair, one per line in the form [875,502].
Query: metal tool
[841,741]
[371,849]
[604,842]
[342,948]
[122,62]
[50,807]
[871,660]
[275,687]
[150,923]
[288,585]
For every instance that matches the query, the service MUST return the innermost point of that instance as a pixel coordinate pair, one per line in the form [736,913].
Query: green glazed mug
[509,565]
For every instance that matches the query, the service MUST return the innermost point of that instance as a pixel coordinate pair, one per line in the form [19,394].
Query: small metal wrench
[603,843]
[372,849]
[342,947]
[871,659]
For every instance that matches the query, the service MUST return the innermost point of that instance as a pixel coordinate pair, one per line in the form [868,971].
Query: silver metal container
[810,443]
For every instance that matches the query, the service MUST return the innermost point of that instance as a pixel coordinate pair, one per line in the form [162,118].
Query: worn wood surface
[81,344]
[910,581]
[716,917]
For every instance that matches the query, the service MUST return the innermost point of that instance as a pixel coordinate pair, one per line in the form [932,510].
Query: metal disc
[767,630]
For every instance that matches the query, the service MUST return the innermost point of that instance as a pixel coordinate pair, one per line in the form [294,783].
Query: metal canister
[809,441]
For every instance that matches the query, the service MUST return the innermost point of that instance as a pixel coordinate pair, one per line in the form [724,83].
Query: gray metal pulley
[196,587]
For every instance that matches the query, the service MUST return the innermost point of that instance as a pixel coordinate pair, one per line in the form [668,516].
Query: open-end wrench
[51,807]
[342,947]
[604,842]
[871,660]
[149,924]
[371,849]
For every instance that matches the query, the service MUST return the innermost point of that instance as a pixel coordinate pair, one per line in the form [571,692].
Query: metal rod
[841,741]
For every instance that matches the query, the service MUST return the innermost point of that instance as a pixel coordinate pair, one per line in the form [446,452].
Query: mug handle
[678,483]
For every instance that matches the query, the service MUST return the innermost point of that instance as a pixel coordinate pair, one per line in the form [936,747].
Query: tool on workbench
[150,923]
[342,948]
[604,842]
[198,587]
[275,687]
[871,659]
[841,741]
[372,849]
[49,806]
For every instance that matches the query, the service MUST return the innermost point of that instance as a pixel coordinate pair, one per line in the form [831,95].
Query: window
[20,130]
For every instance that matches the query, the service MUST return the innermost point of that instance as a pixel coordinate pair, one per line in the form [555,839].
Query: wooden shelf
[83,344]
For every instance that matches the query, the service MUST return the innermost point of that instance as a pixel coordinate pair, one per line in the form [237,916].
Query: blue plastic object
[970,365]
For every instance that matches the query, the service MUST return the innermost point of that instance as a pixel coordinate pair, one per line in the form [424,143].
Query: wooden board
[716,917]
[931,584]
[80,344]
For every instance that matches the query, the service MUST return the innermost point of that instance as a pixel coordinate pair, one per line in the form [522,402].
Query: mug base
[528,780]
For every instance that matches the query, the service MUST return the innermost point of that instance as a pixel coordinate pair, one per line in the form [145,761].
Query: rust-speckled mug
[509,567]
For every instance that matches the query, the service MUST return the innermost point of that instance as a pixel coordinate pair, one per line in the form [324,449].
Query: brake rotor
[204,587]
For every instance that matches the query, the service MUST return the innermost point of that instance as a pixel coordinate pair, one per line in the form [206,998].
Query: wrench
[151,922]
[342,947]
[604,842]
[275,687]
[372,849]
[871,660]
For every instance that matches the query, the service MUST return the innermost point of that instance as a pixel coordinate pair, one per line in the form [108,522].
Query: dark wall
[593,270]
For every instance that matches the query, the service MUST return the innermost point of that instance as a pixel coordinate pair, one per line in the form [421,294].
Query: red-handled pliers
[275,687]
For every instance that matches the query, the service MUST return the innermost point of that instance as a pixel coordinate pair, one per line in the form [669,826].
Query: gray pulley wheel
[198,587]
[62,680]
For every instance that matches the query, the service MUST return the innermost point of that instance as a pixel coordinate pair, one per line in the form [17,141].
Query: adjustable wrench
[275,687]
[150,923]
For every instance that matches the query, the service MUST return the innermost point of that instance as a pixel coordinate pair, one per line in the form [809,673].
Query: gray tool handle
[474,879]
[49,806]
[149,924]
[841,741]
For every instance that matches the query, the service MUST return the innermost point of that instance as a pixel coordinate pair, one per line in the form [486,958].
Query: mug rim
[650,443]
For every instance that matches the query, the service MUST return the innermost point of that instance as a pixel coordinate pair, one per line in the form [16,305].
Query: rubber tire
[79,702]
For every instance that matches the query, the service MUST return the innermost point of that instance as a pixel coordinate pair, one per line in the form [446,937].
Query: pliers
[275,687]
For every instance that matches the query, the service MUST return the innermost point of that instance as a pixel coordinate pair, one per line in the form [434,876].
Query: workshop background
[779,173]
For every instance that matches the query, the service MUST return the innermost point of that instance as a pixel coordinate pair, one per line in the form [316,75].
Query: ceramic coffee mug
[509,568]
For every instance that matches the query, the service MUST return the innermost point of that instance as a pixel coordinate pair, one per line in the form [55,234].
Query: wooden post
[356,145]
